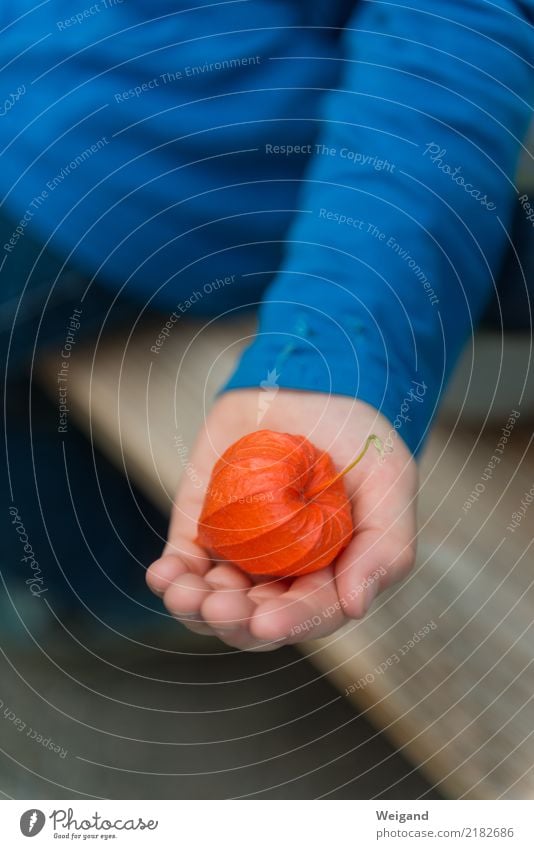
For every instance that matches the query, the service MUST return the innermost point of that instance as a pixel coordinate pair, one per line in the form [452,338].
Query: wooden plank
[144,409]
[458,699]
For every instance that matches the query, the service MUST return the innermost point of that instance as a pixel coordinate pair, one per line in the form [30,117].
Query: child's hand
[210,597]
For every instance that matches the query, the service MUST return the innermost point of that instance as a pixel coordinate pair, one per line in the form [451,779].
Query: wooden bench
[458,700]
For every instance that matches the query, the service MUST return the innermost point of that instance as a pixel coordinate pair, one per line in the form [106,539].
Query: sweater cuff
[315,353]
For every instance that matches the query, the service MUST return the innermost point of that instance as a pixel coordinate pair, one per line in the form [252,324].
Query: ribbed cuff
[313,361]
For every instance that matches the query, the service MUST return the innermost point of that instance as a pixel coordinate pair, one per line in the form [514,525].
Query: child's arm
[406,206]
[434,105]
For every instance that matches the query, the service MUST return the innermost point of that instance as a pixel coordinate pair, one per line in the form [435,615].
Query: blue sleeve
[404,209]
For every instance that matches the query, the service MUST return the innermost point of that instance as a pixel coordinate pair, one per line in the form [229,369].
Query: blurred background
[103,695]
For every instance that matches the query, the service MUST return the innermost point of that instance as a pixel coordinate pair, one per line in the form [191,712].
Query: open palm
[212,597]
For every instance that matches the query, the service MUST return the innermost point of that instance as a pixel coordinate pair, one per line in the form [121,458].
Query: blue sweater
[348,165]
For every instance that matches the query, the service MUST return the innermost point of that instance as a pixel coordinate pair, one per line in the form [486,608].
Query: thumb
[373,561]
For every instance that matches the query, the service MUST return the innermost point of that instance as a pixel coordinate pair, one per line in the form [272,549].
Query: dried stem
[373,438]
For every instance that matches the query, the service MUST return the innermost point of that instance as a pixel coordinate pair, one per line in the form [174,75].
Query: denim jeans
[75,540]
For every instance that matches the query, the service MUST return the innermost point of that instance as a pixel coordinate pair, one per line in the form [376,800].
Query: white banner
[267,824]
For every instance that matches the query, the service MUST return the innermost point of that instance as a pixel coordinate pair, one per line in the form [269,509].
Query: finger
[191,492]
[159,578]
[175,561]
[267,589]
[227,610]
[228,613]
[226,576]
[196,559]
[182,530]
[197,627]
[310,609]
[183,599]
[164,572]
[244,641]
[382,550]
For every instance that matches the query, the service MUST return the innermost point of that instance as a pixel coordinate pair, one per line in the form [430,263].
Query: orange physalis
[276,506]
